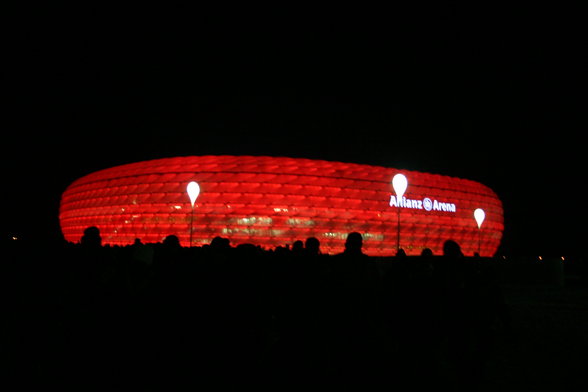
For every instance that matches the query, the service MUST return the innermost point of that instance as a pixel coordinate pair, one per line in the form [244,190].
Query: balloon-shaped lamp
[399,183]
[479,216]
[193,190]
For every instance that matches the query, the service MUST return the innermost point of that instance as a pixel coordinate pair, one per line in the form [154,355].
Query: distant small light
[503,257]
[14,238]
[563,258]
[178,207]
[540,258]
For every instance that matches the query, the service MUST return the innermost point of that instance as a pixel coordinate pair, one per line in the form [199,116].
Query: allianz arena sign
[274,201]
[424,204]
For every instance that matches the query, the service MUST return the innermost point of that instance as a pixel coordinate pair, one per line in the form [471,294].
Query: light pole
[399,183]
[193,190]
[479,216]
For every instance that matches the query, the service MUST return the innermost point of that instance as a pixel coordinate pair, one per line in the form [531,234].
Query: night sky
[492,95]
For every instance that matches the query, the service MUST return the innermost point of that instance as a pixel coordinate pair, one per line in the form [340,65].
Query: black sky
[492,95]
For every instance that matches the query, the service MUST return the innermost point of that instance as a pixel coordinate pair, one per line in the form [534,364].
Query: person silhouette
[312,246]
[353,312]
[220,244]
[91,237]
[298,248]
[354,244]
[452,249]
[453,297]
[427,252]
[171,242]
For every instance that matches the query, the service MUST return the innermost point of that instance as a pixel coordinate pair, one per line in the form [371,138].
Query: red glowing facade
[271,201]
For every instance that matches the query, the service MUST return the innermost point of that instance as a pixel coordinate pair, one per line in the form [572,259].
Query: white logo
[427,204]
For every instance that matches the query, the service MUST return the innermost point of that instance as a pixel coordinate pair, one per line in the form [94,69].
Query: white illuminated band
[425,204]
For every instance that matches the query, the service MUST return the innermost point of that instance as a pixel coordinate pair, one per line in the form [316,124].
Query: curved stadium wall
[274,201]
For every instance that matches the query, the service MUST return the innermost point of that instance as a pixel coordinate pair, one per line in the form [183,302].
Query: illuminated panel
[272,201]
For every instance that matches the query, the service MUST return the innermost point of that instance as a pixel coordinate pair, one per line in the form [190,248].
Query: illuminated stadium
[274,201]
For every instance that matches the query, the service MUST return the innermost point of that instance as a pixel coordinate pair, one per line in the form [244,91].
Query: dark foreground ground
[125,328]
[549,346]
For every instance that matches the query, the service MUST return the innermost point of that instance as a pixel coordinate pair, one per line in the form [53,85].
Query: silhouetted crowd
[162,316]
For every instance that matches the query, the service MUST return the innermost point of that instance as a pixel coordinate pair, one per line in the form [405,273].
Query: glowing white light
[479,215]
[399,183]
[193,191]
